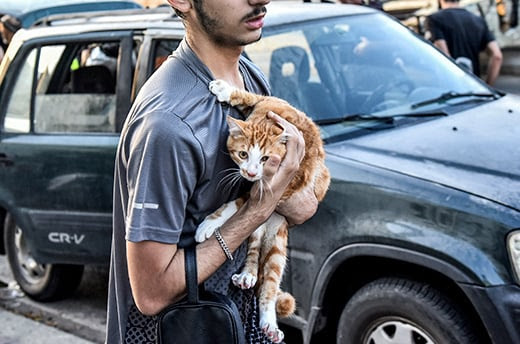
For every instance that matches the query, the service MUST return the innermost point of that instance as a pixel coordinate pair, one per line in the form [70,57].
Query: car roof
[29,12]
[278,13]
[286,12]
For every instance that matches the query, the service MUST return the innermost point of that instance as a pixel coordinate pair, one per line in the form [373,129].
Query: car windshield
[359,68]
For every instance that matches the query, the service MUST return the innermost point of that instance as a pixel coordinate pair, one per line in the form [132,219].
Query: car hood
[476,151]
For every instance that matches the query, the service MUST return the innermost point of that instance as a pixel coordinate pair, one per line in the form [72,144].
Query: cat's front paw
[221,89]
[270,328]
[244,280]
[206,229]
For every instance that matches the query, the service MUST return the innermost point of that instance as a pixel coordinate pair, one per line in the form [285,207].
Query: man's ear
[180,5]
[235,126]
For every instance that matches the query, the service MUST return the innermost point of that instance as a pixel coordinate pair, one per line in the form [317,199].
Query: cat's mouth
[251,178]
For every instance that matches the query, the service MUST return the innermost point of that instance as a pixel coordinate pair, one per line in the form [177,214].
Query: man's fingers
[275,117]
[295,141]
[278,173]
[271,166]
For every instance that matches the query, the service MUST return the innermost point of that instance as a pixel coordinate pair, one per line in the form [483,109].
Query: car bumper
[499,309]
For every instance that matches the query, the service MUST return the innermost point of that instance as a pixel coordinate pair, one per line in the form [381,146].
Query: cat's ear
[284,136]
[235,126]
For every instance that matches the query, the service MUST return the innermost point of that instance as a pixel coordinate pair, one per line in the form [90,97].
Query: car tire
[388,308]
[41,282]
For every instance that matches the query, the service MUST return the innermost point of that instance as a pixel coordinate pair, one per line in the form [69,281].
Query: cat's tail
[285,304]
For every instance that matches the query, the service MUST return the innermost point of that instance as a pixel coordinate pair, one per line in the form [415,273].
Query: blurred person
[370,3]
[8,26]
[462,35]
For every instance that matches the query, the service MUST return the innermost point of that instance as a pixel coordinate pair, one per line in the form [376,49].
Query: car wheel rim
[32,271]
[393,331]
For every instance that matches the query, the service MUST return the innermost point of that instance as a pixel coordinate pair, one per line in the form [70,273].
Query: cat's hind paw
[244,280]
[221,89]
[271,330]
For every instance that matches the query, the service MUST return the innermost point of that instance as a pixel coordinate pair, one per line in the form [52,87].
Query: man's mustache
[256,12]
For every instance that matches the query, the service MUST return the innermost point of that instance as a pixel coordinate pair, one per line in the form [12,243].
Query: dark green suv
[418,238]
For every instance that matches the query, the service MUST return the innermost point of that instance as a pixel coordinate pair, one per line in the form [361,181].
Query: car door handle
[4,160]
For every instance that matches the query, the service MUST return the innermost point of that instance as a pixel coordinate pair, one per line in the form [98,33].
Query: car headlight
[513,246]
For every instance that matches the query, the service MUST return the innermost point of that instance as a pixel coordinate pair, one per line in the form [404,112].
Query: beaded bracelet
[223,244]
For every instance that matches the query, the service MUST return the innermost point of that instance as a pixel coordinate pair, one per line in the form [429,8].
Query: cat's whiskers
[264,186]
[230,180]
[229,169]
[261,188]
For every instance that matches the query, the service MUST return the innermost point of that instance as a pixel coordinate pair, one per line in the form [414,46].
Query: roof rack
[91,16]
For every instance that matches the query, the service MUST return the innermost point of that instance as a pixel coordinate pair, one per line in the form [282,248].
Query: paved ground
[17,329]
[84,314]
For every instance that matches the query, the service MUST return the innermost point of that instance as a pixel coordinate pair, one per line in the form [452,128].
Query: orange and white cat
[250,143]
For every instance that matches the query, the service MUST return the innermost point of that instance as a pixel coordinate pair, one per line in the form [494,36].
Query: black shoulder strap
[190,263]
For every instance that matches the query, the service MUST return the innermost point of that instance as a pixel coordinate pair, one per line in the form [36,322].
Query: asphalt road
[17,329]
[82,318]
[83,315]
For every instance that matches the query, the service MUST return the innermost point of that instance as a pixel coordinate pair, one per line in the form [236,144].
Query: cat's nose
[251,174]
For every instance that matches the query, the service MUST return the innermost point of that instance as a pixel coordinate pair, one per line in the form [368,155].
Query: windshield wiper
[452,95]
[389,118]
[353,117]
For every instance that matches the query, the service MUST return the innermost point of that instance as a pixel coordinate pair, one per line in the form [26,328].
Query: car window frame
[123,82]
[145,61]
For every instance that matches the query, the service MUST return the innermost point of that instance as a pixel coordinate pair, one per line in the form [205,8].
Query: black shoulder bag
[202,318]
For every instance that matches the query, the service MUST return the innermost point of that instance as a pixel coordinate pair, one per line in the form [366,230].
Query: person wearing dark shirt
[462,35]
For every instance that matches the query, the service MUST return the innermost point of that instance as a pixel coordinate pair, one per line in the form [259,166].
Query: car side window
[289,63]
[162,49]
[75,89]
[17,119]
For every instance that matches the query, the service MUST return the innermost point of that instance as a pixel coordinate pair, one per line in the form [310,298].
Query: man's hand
[278,174]
[267,192]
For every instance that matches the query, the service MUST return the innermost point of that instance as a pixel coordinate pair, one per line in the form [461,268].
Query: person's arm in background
[442,46]
[494,63]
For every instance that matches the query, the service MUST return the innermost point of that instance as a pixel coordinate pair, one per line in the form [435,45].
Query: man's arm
[442,46]
[302,205]
[156,270]
[494,63]
[299,207]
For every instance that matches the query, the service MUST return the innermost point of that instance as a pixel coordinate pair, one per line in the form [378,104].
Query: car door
[63,103]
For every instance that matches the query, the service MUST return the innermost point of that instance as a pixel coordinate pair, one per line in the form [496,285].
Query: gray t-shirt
[170,163]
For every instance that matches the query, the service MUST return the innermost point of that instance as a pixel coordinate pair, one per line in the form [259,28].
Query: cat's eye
[242,155]
[264,158]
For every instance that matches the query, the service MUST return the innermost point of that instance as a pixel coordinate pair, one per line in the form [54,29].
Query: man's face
[231,22]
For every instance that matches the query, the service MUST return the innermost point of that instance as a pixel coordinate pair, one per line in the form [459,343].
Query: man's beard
[211,26]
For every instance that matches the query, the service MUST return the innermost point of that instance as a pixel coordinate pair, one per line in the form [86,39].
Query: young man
[170,160]
[462,35]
